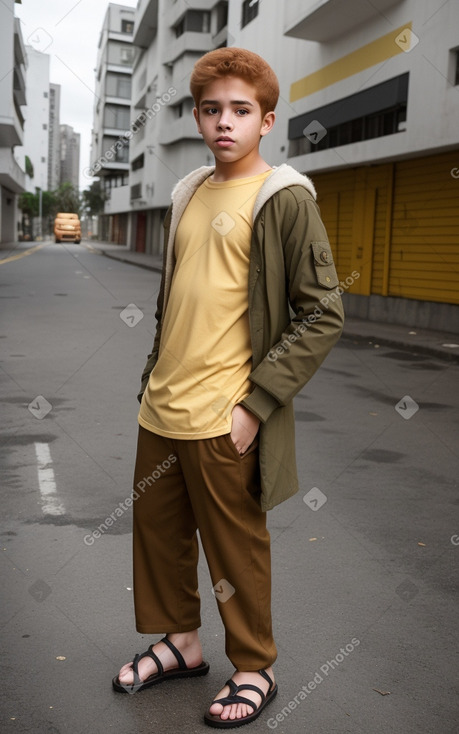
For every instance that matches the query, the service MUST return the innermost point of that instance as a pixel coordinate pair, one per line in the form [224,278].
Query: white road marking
[47,481]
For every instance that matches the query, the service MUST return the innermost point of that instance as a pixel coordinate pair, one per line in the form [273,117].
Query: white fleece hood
[281,177]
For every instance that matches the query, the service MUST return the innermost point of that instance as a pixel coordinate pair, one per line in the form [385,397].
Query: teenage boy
[240,330]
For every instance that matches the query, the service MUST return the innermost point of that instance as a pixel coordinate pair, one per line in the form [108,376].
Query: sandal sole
[199,670]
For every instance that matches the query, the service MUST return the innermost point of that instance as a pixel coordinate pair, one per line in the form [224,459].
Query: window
[197,21]
[138,162]
[178,110]
[43,160]
[118,151]
[222,16]
[456,75]
[45,94]
[371,113]
[127,56]
[120,53]
[118,85]
[136,191]
[127,26]
[45,126]
[249,11]
[116,116]
[386,122]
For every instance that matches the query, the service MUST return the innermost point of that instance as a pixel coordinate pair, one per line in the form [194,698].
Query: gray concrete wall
[422,314]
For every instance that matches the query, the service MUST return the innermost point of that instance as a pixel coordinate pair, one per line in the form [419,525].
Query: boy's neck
[239,169]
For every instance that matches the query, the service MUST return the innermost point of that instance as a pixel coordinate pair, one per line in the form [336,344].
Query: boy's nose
[224,124]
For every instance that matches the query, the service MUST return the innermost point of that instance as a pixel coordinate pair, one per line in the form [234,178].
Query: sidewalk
[440,344]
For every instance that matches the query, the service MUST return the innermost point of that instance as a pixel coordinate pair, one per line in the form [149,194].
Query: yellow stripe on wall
[392,44]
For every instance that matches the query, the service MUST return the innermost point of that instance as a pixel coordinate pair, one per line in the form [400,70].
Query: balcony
[175,10]
[118,200]
[12,176]
[146,22]
[324,20]
[11,126]
[190,41]
[184,128]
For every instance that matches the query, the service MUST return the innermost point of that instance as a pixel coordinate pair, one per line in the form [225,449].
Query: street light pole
[40,213]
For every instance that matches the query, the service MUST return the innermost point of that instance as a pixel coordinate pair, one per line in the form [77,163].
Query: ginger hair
[240,63]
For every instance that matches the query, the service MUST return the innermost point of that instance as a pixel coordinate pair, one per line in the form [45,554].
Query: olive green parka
[295,311]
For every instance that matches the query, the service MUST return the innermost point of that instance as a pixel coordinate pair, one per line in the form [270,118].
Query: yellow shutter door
[397,224]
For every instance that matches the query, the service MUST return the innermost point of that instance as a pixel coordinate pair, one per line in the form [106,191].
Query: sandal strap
[178,655]
[267,678]
[234,698]
[148,654]
[250,687]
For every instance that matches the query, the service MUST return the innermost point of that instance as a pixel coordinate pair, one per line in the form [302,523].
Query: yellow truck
[67,228]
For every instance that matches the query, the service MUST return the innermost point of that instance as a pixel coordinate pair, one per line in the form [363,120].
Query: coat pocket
[324,264]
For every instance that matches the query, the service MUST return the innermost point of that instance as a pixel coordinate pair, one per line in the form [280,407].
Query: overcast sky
[68,30]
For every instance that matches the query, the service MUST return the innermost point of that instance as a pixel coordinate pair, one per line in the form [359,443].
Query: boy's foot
[242,699]
[176,655]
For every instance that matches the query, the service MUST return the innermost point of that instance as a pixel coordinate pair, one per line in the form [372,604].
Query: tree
[93,199]
[30,203]
[67,198]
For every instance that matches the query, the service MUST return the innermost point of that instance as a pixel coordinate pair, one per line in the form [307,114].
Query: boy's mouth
[224,141]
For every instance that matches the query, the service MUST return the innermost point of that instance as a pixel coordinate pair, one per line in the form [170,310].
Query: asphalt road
[364,557]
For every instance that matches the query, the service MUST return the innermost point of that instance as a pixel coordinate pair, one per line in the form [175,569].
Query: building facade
[69,155]
[36,125]
[112,119]
[13,63]
[354,78]
[369,109]
[54,159]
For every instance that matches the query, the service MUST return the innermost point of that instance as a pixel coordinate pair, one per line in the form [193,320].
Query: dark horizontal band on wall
[367,102]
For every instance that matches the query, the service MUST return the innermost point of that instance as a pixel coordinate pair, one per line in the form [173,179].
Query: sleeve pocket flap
[324,264]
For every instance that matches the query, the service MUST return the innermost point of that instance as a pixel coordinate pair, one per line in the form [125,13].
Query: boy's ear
[196,117]
[267,123]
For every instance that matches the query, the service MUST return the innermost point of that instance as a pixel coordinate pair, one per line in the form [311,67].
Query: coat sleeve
[315,305]
[153,356]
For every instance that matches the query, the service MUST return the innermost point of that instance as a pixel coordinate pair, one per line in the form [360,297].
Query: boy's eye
[242,112]
[211,111]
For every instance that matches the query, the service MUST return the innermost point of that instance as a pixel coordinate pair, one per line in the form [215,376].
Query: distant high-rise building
[70,155]
[54,159]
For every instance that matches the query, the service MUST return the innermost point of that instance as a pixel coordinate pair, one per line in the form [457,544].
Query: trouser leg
[165,546]
[223,489]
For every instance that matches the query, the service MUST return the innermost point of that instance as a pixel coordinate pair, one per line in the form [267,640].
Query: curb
[128,261]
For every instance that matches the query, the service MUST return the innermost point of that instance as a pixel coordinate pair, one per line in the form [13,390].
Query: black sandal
[234,697]
[183,671]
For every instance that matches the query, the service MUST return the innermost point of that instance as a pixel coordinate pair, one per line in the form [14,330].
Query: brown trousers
[182,486]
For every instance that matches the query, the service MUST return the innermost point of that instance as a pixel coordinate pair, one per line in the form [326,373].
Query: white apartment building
[36,127]
[170,37]
[12,96]
[369,108]
[112,119]
[54,164]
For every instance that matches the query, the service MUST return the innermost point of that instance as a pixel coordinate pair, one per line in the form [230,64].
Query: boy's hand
[244,428]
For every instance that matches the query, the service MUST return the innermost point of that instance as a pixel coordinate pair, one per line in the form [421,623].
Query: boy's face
[230,120]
